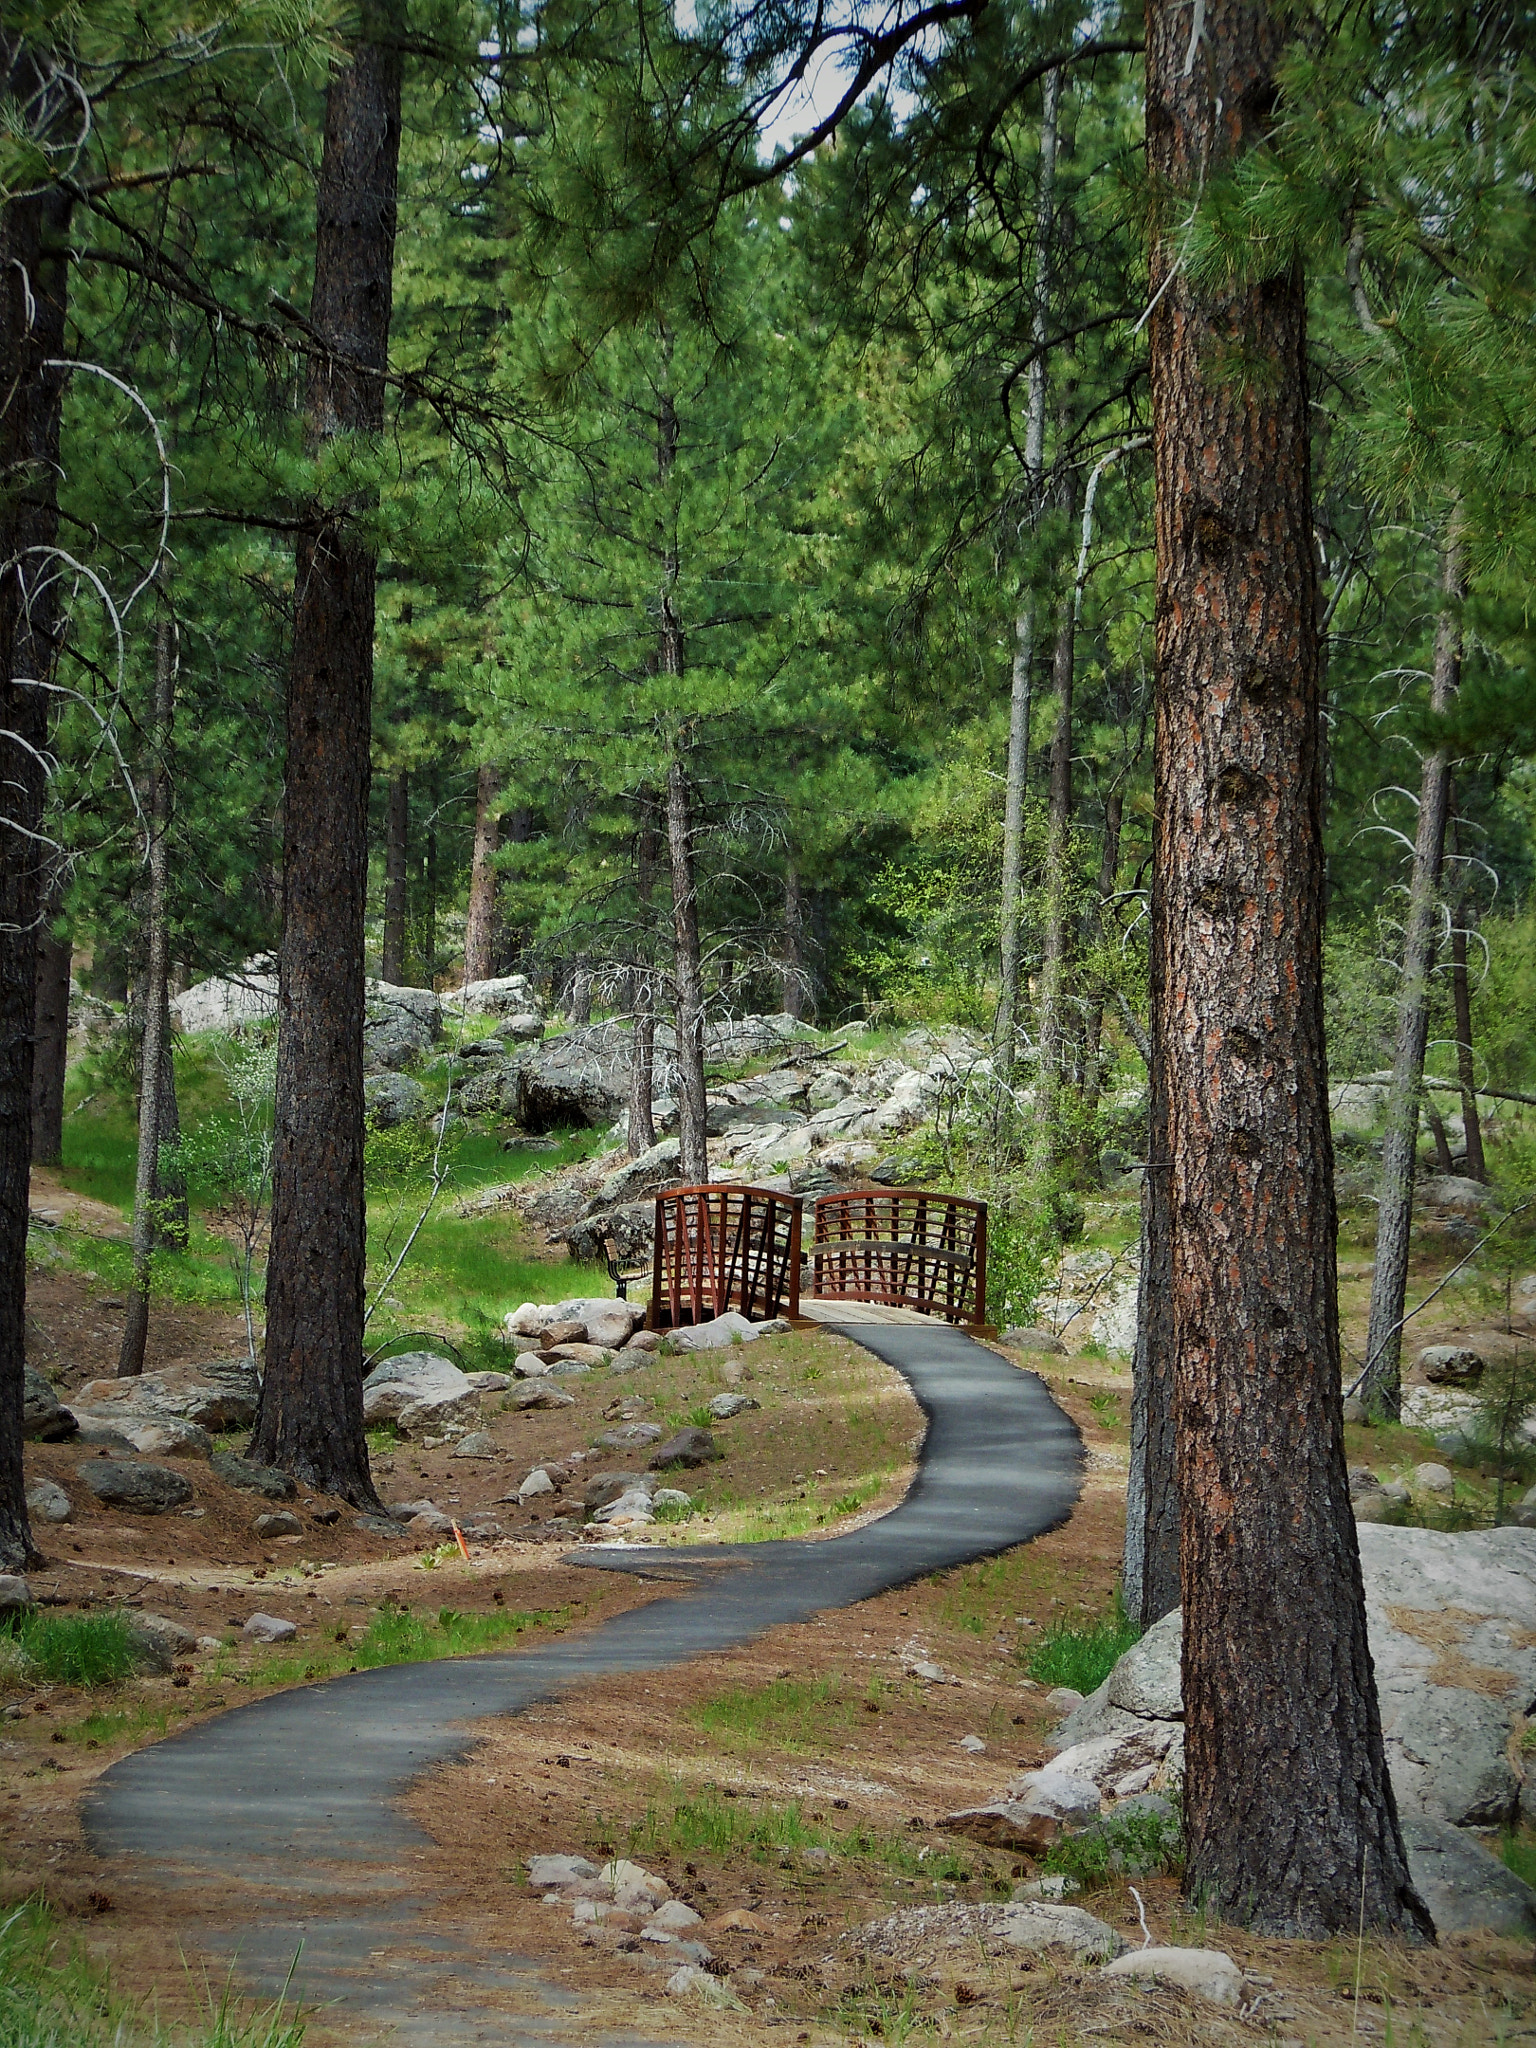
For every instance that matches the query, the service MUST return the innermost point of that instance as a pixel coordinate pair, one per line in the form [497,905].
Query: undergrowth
[1138,1844]
[1082,1655]
[75,1649]
[709,1823]
[54,1995]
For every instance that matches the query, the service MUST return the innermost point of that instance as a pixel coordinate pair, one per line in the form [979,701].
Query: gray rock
[158,1642]
[537,1482]
[632,1228]
[141,1489]
[688,1447]
[1146,1680]
[278,1522]
[718,1335]
[644,1175]
[1455,1191]
[726,1406]
[377,1525]
[1464,1887]
[631,1436]
[1038,1925]
[408,1510]
[269,1628]
[101,1436]
[1019,1339]
[1450,1365]
[585,1319]
[172,1438]
[671,1497]
[634,1506]
[540,1393]
[489,1382]
[44,1418]
[430,1522]
[478,1444]
[1094,1717]
[579,1076]
[1434,1478]
[421,1393]
[507,995]
[1208,1971]
[1037,1809]
[48,1502]
[392,1099]
[15,1593]
[250,1478]
[218,1396]
[227,1003]
[1446,1748]
[604,1487]
[552,1873]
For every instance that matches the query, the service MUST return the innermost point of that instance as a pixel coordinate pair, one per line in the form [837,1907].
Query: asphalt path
[289,1809]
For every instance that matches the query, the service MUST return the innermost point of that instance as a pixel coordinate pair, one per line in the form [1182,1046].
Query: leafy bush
[1137,1844]
[1079,1655]
[1021,1249]
[77,1649]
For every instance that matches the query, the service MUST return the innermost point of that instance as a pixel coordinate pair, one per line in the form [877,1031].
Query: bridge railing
[720,1248]
[905,1247]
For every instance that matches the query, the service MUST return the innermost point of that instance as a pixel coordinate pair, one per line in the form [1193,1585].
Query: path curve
[289,1807]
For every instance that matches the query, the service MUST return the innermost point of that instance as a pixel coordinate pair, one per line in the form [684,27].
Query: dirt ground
[799,1780]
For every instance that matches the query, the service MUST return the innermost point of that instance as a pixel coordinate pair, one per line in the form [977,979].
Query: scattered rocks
[48,1502]
[278,1522]
[142,1489]
[252,1478]
[478,1444]
[1033,1815]
[689,1447]
[269,1628]
[1206,1971]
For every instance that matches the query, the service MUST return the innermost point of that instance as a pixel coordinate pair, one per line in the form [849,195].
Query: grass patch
[398,1636]
[54,1995]
[1082,1655]
[1122,1845]
[1517,1849]
[738,1521]
[708,1823]
[76,1649]
[789,1714]
[106,1726]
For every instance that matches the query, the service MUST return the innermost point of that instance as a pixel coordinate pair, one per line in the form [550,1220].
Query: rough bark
[154,1009]
[50,1051]
[641,1135]
[688,982]
[173,1218]
[1289,1817]
[1017,775]
[1382,1382]
[793,979]
[33,284]
[578,996]
[480,917]
[310,1421]
[397,838]
[1150,1570]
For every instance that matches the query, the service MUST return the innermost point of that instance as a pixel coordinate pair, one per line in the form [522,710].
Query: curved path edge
[291,1805]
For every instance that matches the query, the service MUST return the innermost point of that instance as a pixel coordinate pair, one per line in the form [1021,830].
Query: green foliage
[1120,1845]
[76,1649]
[708,1822]
[1021,1249]
[1082,1655]
[397,1636]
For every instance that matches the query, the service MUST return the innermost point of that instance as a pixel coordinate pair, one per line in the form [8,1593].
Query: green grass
[1518,1850]
[1127,1845]
[76,1649]
[765,1521]
[1082,1655]
[789,1714]
[104,1726]
[53,1994]
[708,1822]
[398,1636]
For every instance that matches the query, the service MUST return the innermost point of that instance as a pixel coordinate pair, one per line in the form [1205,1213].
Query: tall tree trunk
[1288,1811]
[50,1052]
[397,838]
[1150,1572]
[1058,900]
[33,284]
[1382,1384]
[688,981]
[155,1009]
[1017,778]
[1474,1165]
[480,918]
[310,1421]
[642,1066]
[792,980]
[173,1220]
[578,995]
[1109,872]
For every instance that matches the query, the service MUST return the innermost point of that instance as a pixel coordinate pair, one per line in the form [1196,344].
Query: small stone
[671,1497]
[250,1478]
[1046,1341]
[1062,1699]
[269,1628]
[974,1744]
[1052,1889]
[478,1444]
[168,1437]
[1363,1480]
[1434,1478]
[674,1916]
[15,1593]
[377,1525]
[142,1489]
[688,1447]
[1450,1365]
[1039,1925]
[725,1406]
[430,1522]
[633,1885]
[278,1522]
[739,1921]
[644,1340]
[537,1482]
[540,1393]
[1036,1811]
[544,1871]
[1204,1970]
[632,1436]
[1354,1409]
[158,1642]
[930,1674]
[48,1502]
[489,1382]
[326,1517]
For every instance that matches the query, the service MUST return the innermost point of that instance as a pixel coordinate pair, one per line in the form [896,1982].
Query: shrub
[1082,1656]
[1136,1844]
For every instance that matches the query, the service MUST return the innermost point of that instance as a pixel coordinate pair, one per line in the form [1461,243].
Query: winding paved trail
[288,1810]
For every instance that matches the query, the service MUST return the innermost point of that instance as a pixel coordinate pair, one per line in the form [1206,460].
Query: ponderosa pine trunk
[1289,1820]
[154,1009]
[50,1050]
[480,916]
[397,842]
[1381,1386]
[1150,1569]
[688,983]
[33,285]
[641,1134]
[1051,1036]
[1010,991]
[310,1421]
[792,979]
[173,1217]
